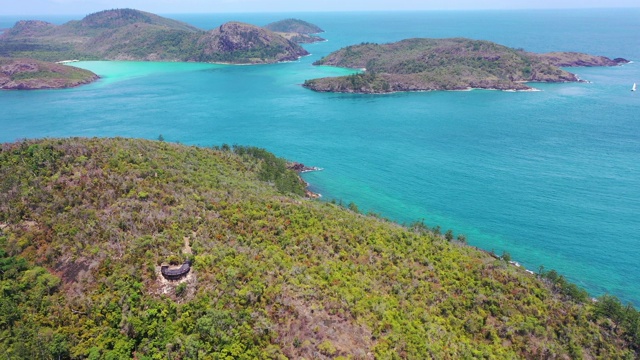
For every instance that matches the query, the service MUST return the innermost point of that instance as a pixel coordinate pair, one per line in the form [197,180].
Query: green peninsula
[86,225]
[127,34]
[30,74]
[296,30]
[447,64]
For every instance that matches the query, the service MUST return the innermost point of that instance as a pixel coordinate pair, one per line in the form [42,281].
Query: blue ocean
[551,177]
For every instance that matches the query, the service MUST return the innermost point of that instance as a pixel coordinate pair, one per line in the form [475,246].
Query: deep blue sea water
[552,177]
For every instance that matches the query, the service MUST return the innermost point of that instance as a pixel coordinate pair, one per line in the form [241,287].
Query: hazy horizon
[79,7]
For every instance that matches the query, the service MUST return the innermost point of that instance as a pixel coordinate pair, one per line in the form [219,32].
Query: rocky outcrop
[237,42]
[302,168]
[574,59]
[29,74]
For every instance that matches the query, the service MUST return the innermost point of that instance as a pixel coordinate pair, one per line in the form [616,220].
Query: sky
[83,7]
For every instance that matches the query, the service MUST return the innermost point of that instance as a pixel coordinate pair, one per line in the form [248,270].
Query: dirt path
[187,247]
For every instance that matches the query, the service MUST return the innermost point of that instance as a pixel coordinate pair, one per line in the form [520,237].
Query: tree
[506,256]
[58,347]
[462,238]
[449,235]
[611,307]
[181,289]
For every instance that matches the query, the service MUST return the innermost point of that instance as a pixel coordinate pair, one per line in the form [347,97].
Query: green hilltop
[447,64]
[294,26]
[296,30]
[127,34]
[86,223]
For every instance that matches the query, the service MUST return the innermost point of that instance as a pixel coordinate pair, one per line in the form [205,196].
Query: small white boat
[633,88]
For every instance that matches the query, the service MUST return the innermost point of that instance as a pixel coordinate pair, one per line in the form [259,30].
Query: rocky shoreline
[301,168]
[574,59]
[29,74]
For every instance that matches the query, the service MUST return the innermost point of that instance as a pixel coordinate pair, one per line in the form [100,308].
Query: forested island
[297,30]
[87,224]
[127,34]
[447,64]
[30,74]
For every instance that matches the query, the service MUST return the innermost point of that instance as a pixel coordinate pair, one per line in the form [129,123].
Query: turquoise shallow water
[551,177]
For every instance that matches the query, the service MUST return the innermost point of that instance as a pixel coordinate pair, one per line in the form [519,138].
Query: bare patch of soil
[312,333]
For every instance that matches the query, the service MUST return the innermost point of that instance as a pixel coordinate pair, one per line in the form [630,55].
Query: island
[30,74]
[422,64]
[296,30]
[128,34]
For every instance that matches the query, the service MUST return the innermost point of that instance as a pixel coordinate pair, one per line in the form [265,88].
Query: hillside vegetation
[85,224]
[127,34]
[447,64]
[294,26]
[28,74]
[296,30]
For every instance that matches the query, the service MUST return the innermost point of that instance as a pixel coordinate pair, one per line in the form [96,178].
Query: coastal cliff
[447,64]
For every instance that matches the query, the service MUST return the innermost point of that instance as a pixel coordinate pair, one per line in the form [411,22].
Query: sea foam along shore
[301,168]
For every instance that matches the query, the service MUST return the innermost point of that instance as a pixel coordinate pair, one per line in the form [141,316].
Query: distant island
[296,30]
[127,34]
[30,74]
[447,64]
